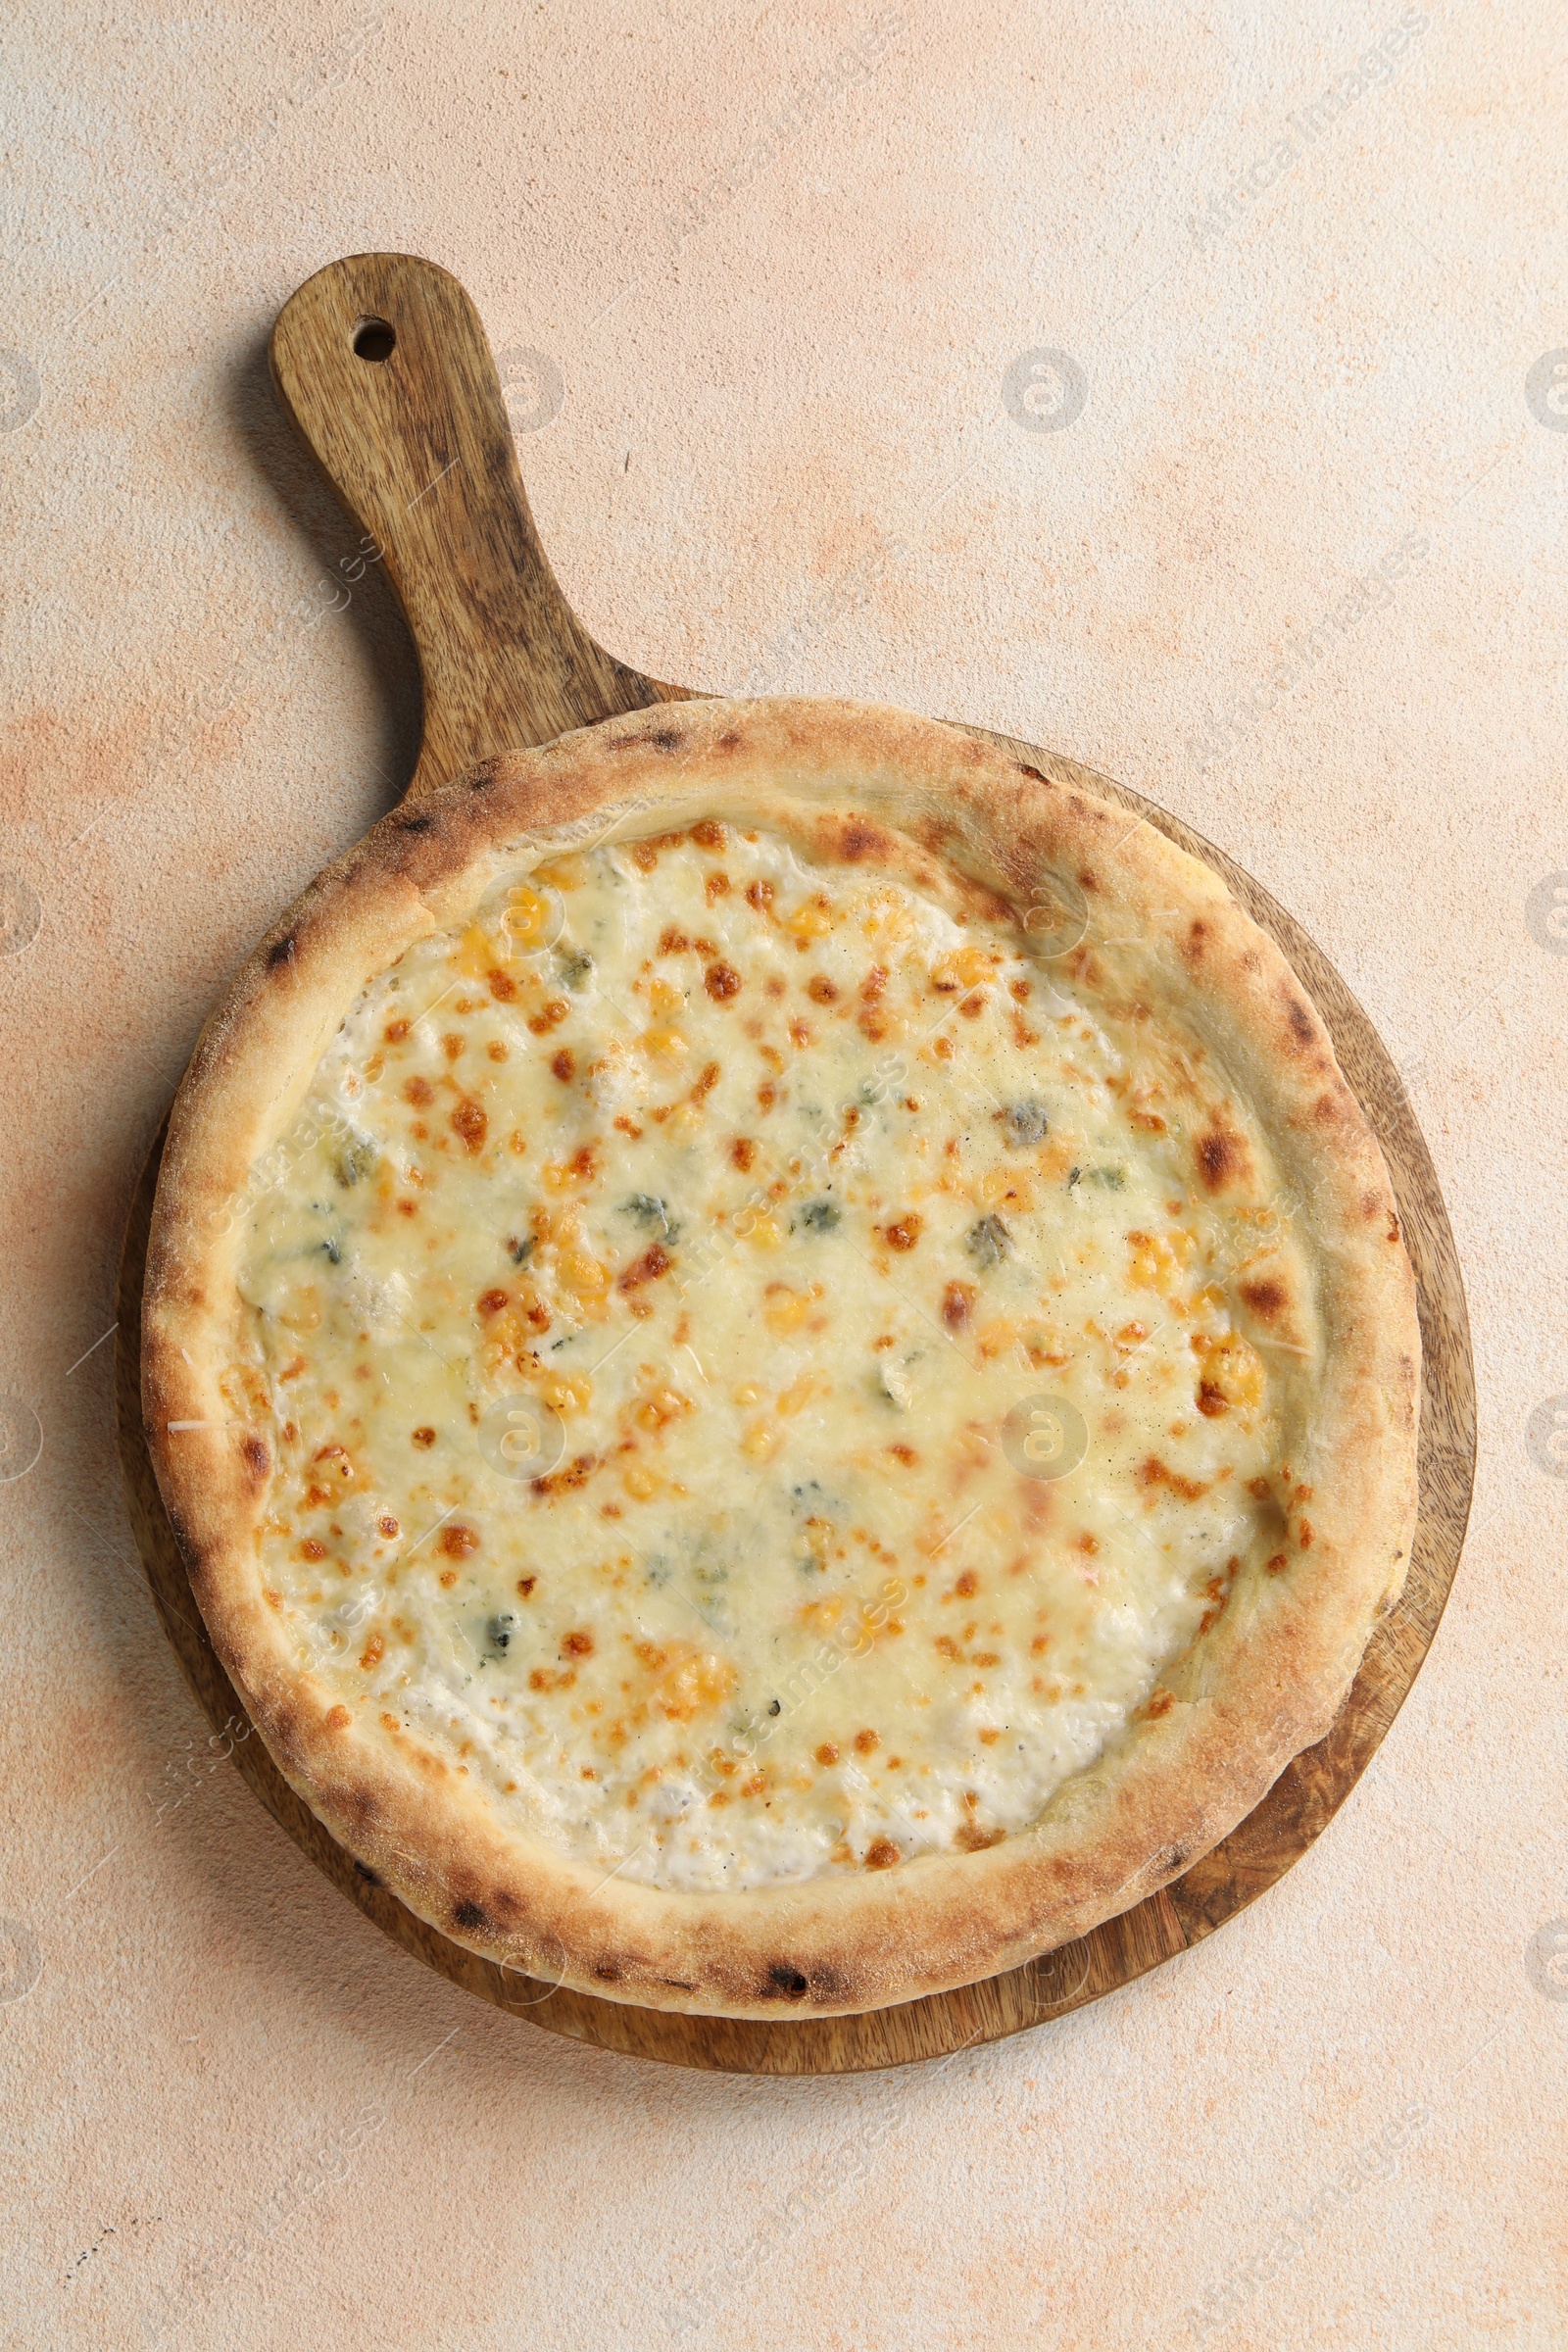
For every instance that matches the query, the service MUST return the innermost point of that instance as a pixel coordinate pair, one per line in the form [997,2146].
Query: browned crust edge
[1265,1683]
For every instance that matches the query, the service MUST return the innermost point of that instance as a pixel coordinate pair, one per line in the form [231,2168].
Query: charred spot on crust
[607,1973]
[1176,1859]
[1221,1155]
[1266,1296]
[727,742]
[471,1916]
[280,952]
[260,1461]
[1196,938]
[861,840]
[363,1810]
[415,825]
[786,1984]
[1300,1020]
[364,1871]
[665,739]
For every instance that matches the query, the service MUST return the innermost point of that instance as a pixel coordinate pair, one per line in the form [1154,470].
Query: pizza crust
[869,787]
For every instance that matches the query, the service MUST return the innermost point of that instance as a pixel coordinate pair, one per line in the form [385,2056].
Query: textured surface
[1289,570]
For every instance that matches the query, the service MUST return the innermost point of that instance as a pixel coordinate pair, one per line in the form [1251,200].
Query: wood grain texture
[419,448]
[506,663]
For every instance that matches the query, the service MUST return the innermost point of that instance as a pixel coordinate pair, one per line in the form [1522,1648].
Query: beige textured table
[1190,397]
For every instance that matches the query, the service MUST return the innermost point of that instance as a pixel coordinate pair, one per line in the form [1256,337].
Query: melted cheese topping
[679,1311]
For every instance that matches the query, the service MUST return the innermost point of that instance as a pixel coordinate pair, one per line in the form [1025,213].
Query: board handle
[383,369]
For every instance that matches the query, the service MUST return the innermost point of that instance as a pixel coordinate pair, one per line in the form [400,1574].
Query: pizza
[785,1369]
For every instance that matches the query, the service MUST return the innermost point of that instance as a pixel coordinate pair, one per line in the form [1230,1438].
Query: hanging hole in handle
[375,340]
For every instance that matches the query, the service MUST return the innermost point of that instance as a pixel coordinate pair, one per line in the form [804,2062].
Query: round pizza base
[1274,1674]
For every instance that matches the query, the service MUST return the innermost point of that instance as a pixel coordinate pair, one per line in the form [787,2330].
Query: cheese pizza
[784,1366]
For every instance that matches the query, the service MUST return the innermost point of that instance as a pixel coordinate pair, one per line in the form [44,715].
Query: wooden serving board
[383,367]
